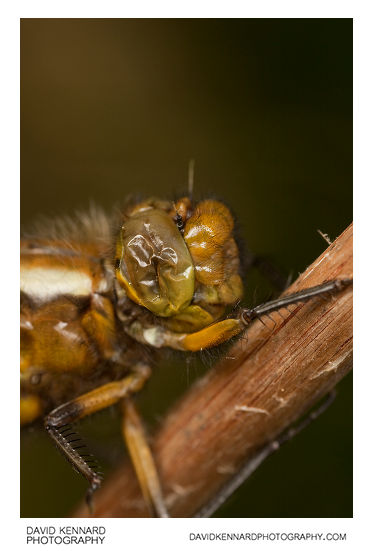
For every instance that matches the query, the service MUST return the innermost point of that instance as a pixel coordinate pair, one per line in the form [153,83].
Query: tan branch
[241,405]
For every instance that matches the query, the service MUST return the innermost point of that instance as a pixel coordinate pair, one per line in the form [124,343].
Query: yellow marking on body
[45,283]
[31,409]
[70,336]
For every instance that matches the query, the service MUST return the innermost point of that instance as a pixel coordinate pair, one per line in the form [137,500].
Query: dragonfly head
[171,257]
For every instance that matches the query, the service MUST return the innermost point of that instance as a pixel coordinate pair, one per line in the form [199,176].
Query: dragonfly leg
[217,333]
[57,423]
[224,330]
[142,459]
[329,287]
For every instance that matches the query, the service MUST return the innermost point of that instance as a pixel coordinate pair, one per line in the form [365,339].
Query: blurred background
[116,106]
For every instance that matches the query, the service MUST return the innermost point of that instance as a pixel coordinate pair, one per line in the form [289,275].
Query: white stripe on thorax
[46,283]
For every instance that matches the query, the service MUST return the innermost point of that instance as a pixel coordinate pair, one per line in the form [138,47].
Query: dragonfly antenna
[190,178]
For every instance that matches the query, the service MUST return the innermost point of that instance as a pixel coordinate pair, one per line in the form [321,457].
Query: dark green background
[112,107]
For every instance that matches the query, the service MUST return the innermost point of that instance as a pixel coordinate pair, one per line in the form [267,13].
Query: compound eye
[154,264]
[208,235]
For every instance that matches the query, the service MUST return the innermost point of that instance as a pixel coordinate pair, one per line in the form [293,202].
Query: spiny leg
[142,459]
[57,423]
[71,446]
[294,298]
[222,331]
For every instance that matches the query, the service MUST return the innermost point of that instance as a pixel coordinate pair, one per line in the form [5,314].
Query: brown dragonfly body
[97,300]
[69,329]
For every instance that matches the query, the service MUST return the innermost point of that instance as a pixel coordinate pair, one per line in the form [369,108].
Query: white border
[128,532]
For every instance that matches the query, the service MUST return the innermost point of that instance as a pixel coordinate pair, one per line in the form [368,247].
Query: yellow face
[178,261]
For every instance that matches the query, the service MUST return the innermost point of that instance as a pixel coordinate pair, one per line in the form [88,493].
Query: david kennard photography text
[65,534]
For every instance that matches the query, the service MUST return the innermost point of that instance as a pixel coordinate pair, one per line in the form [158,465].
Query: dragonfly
[101,296]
